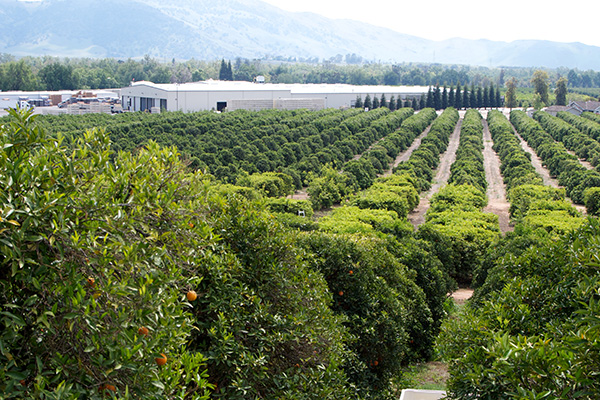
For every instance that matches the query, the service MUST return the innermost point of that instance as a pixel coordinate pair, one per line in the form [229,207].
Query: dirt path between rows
[417,216]
[543,171]
[496,190]
[585,163]
[405,155]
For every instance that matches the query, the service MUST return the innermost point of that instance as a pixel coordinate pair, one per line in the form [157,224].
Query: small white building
[226,95]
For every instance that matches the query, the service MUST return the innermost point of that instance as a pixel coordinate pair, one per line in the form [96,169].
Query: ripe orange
[191,295]
[341,293]
[143,331]
[107,386]
[161,360]
[91,281]
[350,272]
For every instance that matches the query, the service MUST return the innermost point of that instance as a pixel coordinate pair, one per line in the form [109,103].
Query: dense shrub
[592,200]
[327,189]
[96,246]
[350,219]
[385,310]
[537,336]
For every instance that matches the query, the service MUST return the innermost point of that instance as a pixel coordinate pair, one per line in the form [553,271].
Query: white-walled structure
[221,95]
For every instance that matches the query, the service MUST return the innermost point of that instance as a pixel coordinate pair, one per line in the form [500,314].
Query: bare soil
[496,190]
[543,171]
[417,216]
[405,155]
[462,295]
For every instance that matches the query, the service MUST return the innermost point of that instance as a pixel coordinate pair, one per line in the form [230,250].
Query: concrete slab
[415,394]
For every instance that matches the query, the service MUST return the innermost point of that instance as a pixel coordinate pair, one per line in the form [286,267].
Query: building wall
[284,97]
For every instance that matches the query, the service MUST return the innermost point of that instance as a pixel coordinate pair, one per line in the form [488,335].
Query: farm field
[297,254]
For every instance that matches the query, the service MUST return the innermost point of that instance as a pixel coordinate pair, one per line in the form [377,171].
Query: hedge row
[532,203]
[536,334]
[327,188]
[515,166]
[425,159]
[585,125]
[571,174]
[459,232]
[582,145]
[468,167]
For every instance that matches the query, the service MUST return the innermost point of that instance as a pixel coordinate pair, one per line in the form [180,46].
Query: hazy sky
[507,20]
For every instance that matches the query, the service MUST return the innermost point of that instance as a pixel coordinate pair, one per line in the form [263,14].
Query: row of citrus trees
[457,228]
[532,330]
[231,145]
[126,275]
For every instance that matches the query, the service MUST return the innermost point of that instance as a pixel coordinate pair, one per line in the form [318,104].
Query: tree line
[52,73]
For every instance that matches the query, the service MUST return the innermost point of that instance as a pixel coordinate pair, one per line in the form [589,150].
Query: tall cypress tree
[223,71]
[229,71]
[358,103]
[479,97]
[466,98]
[376,103]
[437,97]
[429,103]
[458,97]
[473,97]
[421,103]
[368,103]
[451,97]
[384,102]
[492,96]
[444,98]
[485,103]
[392,105]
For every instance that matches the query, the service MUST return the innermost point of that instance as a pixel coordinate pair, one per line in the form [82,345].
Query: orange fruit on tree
[91,281]
[161,360]
[191,295]
[143,331]
[341,293]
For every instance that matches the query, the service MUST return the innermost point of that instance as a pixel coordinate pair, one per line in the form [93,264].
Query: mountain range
[208,29]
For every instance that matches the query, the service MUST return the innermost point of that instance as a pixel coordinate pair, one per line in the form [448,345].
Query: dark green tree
[444,98]
[358,103]
[383,102]
[18,76]
[540,84]
[466,98]
[368,103]
[458,103]
[451,97]
[430,102]
[473,97]
[561,91]
[437,97]
[223,71]
[492,97]
[421,103]
[479,97]
[510,99]
[376,103]
[485,103]
[57,76]
[392,105]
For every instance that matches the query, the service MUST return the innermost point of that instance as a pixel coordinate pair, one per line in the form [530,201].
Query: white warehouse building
[227,95]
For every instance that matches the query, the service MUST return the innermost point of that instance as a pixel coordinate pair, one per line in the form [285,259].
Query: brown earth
[543,171]
[405,155]
[417,216]
[496,190]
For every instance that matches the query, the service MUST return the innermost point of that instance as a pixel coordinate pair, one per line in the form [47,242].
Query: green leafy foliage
[385,310]
[537,336]
[96,246]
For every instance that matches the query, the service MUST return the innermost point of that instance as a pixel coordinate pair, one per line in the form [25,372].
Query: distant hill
[206,30]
